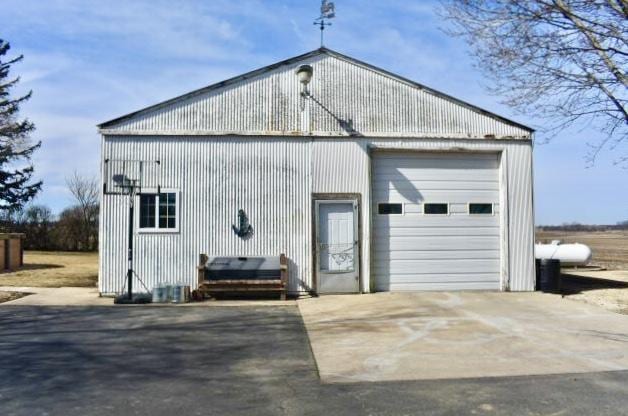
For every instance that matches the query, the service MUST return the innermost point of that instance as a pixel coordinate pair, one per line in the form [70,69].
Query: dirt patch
[54,269]
[9,296]
[610,248]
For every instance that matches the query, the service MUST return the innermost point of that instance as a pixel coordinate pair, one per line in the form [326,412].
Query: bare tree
[36,222]
[561,60]
[69,231]
[86,194]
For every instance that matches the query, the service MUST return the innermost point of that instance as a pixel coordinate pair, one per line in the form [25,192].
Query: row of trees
[74,229]
[576,226]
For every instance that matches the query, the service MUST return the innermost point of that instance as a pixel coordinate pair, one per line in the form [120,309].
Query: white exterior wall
[344,166]
[268,178]
[273,179]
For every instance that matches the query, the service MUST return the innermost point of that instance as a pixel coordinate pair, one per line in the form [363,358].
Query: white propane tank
[575,254]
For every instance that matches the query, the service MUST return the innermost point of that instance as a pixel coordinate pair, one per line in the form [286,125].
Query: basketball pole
[131,187]
[129,273]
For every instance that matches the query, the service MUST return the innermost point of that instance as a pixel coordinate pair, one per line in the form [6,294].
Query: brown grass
[9,296]
[54,269]
[610,248]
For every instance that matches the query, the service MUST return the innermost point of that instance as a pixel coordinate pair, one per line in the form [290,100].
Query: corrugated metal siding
[268,178]
[521,214]
[353,100]
[343,165]
[339,165]
[272,179]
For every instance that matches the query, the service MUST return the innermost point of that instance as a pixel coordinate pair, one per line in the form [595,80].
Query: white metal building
[373,183]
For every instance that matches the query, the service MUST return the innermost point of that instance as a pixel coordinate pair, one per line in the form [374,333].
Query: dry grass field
[610,248]
[54,269]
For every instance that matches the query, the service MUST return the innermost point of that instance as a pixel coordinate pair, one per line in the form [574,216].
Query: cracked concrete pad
[437,335]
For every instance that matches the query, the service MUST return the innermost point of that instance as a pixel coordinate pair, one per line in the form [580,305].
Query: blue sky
[90,61]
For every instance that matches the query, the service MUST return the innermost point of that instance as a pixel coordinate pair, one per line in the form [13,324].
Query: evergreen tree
[16,170]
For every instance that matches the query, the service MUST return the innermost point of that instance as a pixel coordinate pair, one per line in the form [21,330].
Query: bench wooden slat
[242,282]
[231,289]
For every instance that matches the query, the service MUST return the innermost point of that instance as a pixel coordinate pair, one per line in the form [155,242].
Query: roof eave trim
[320,134]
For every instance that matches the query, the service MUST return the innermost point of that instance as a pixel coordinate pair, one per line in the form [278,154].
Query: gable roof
[351,96]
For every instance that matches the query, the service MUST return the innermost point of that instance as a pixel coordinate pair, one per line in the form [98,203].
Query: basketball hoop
[126,176]
[131,177]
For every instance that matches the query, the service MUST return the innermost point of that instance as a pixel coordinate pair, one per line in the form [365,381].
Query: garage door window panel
[481,208]
[436,208]
[388,208]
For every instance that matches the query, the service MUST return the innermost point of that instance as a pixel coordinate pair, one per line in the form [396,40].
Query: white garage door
[436,221]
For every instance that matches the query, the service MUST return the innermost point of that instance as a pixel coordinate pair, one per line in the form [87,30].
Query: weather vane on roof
[328,11]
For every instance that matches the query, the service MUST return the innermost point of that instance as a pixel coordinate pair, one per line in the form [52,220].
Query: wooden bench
[243,274]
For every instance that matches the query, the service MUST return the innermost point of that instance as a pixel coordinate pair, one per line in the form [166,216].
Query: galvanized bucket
[178,293]
[160,294]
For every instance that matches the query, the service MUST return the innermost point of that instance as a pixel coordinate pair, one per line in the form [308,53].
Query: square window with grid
[158,211]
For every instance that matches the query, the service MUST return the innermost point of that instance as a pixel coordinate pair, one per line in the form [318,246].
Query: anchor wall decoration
[244,229]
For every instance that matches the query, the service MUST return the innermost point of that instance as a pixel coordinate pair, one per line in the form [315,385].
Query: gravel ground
[610,295]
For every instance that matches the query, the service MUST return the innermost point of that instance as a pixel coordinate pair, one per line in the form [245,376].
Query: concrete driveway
[163,361]
[57,296]
[422,336]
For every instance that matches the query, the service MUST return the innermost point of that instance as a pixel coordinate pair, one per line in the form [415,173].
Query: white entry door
[337,246]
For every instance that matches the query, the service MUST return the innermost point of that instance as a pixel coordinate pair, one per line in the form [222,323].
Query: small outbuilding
[11,251]
[367,181]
